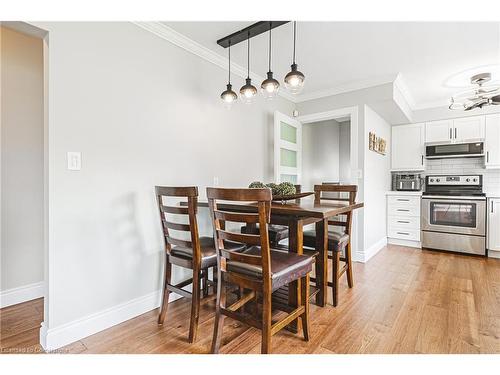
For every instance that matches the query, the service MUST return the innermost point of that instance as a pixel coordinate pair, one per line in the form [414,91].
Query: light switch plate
[74,161]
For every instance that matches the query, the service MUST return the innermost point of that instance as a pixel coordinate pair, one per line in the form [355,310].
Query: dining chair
[277,232]
[258,271]
[339,241]
[196,253]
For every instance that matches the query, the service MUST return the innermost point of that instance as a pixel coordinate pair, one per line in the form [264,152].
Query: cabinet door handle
[403,222]
[491,206]
[422,159]
[451,134]
[405,233]
[487,156]
[399,209]
[403,200]
[455,133]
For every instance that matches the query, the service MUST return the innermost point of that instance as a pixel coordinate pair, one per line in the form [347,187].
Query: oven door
[452,215]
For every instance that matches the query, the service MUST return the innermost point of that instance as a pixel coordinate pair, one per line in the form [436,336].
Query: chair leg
[219,317]
[166,282]
[348,259]
[305,302]
[195,306]
[266,321]
[335,276]
[214,279]
[205,282]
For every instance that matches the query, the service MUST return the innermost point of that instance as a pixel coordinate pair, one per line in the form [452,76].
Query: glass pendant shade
[294,80]
[228,96]
[270,86]
[248,92]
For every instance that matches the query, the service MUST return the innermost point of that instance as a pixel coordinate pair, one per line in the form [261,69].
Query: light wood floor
[404,301]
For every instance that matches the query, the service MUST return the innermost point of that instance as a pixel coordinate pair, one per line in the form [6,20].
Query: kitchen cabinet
[492,141]
[468,129]
[403,218]
[407,152]
[461,130]
[439,131]
[494,224]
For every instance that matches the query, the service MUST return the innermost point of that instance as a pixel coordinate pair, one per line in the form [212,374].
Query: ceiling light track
[249,32]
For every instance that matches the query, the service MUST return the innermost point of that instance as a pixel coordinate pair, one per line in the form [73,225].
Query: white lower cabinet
[494,227]
[403,219]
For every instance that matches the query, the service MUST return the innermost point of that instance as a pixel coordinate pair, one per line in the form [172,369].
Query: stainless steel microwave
[456,150]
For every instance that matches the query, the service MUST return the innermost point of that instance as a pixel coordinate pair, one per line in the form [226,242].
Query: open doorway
[326,152]
[22,236]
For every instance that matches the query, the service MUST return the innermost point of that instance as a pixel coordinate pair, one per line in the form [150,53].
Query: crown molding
[165,32]
[174,37]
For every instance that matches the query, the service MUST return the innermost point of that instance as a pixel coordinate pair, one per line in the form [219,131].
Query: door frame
[356,174]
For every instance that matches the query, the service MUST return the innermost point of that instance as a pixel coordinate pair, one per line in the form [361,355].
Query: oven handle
[457,198]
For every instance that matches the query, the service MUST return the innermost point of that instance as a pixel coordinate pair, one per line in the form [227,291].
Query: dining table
[295,215]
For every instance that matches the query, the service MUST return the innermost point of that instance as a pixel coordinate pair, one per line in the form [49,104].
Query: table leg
[295,243]
[322,262]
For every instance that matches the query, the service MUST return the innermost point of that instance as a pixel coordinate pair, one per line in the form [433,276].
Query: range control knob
[438,180]
[475,180]
[432,180]
[468,180]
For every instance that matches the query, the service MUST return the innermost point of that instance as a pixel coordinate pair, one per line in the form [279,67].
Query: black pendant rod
[270,41]
[249,32]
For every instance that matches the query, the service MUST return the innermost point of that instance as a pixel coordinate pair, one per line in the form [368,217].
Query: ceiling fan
[484,94]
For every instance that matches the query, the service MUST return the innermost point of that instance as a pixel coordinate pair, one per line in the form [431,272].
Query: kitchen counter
[411,193]
[492,194]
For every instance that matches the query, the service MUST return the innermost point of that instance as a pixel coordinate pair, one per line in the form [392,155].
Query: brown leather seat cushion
[336,239]
[208,252]
[285,266]
[276,232]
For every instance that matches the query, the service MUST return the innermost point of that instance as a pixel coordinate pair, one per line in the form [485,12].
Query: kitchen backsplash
[491,177]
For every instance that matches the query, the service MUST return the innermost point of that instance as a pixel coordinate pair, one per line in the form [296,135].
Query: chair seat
[336,239]
[276,232]
[285,267]
[208,251]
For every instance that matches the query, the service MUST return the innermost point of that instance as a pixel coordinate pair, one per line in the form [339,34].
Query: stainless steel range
[454,214]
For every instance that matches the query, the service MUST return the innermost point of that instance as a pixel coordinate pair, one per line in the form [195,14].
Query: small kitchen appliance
[406,182]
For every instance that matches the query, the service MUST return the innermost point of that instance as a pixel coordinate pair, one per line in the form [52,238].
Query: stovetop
[454,186]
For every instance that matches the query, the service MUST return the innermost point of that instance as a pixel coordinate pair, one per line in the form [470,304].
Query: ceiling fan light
[294,80]
[270,86]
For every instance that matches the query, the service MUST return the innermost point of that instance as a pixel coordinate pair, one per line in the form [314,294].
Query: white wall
[377,180]
[320,153]
[22,257]
[143,112]
[345,152]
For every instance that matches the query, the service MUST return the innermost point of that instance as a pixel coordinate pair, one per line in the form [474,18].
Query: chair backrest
[262,197]
[189,211]
[329,188]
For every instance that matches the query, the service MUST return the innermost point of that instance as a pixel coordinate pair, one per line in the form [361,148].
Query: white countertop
[493,194]
[413,193]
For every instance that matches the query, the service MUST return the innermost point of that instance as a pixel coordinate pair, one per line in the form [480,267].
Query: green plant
[257,185]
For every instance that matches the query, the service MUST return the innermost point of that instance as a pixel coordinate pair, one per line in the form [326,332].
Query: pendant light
[294,80]
[248,91]
[229,96]
[270,86]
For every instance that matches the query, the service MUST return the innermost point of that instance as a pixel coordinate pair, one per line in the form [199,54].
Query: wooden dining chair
[277,232]
[257,271]
[339,240]
[197,253]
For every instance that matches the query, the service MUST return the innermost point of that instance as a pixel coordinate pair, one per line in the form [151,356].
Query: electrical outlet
[74,161]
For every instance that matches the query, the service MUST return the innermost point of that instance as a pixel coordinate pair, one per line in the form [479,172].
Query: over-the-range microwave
[455,150]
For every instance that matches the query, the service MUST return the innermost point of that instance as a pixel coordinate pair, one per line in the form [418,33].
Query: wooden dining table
[294,215]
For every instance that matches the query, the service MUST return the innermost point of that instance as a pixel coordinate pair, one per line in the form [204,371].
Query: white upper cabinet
[407,152]
[468,129]
[492,141]
[439,131]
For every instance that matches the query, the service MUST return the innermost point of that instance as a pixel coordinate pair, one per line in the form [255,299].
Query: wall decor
[377,144]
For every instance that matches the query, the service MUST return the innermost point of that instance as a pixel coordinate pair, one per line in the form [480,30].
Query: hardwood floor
[404,301]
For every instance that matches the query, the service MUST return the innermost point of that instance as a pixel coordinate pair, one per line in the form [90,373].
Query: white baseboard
[493,254]
[21,294]
[365,256]
[397,241]
[55,338]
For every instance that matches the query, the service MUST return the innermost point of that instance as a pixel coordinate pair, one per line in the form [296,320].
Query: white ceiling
[343,55]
